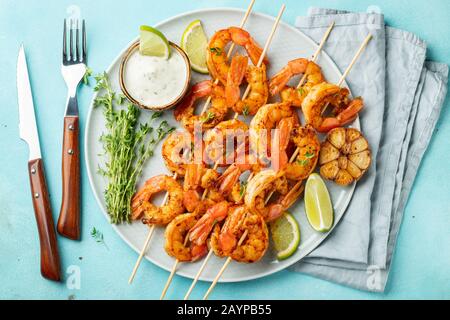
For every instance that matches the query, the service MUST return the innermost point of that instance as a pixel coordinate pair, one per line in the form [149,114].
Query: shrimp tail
[348,115]
[191,200]
[243,38]
[227,241]
[201,230]
[198,251]
[236,74]
[229,178]
[198,90]
[255,52]
[279,155]
[275,211]
[280,80]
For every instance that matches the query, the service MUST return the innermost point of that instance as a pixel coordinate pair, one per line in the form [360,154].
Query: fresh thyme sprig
[97,235]
[127,145]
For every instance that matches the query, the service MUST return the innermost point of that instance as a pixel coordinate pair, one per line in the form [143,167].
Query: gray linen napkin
[413,95]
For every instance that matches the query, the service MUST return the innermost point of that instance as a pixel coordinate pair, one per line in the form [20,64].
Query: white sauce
[155,81]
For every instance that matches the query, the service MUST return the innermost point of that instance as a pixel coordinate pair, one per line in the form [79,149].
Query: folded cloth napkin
[403,98]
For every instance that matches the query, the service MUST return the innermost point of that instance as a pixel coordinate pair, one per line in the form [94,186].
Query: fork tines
[73,56]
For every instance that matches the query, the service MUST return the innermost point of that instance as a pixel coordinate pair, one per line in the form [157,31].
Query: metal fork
[73,70]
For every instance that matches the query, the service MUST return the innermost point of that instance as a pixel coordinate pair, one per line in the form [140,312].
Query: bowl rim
[131,49]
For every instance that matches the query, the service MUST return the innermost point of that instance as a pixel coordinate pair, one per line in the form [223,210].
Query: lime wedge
[194,43]
[319,209]
[285,235]
[153,43]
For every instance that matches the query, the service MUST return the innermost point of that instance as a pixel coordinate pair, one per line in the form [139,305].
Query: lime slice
[153,43]
[285,235]
[319,209]
[194,43]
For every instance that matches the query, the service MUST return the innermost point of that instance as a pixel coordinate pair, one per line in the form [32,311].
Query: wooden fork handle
[50,265]
[69,216]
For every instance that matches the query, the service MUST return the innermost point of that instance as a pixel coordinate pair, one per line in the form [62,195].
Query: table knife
[50,264]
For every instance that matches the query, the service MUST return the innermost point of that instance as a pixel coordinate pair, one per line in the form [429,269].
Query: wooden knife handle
[69,216]
[50,266]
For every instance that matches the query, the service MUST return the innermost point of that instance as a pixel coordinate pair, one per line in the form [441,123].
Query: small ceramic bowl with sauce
[155,83]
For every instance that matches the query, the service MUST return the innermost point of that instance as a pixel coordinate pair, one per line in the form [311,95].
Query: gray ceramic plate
[289,43]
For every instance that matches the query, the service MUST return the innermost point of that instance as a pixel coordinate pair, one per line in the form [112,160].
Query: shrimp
[280,158]
[257,80]
[193,177]
[184,112]
[266,119]
[186,235]
[260,186]
[278,84]
[226,137]
[192,200]
[283,203]
[142,207]
[235,76]
[306,140]
[201,230]
[175,239]
[174,150]
[216,57]
[270,181]
[280,80]
[225,240]
[230,177]
[319,97]
[197,178]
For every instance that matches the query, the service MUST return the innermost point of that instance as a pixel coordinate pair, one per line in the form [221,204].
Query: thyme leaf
[97,235]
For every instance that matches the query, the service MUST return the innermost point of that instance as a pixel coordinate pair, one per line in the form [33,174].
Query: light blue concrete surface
[421,267]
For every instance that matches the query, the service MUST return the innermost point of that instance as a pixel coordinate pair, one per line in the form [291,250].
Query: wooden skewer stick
[317,53]
[230,52]
[141,254]
[355,58]
[172,272]
[199,273]
[169,280]
[147,242]
[224,267]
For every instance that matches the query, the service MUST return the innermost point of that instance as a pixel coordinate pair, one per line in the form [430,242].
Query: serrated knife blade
[27,119]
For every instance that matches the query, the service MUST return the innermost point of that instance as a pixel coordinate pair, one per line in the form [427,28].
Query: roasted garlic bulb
[345,156]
